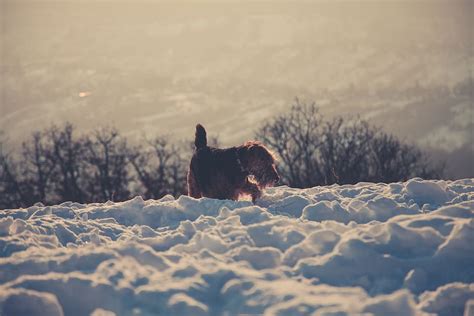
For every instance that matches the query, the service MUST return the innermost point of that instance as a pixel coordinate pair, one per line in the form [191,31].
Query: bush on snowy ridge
[57,165]
[318,151]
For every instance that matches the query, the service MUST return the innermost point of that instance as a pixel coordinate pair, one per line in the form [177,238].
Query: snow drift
[400,248]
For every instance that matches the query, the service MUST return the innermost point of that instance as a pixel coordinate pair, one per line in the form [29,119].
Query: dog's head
[260,163]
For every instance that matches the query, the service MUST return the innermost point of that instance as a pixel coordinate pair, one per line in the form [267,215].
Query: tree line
[57,164]
[315,150]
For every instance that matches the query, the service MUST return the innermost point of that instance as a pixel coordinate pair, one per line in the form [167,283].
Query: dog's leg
[252,189]
[193,189]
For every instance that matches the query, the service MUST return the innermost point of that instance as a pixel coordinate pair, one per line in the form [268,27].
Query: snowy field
[382,249]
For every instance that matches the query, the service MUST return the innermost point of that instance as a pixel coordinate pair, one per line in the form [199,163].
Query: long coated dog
[228,173]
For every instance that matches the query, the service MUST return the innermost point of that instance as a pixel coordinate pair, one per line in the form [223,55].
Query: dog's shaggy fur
[224,173]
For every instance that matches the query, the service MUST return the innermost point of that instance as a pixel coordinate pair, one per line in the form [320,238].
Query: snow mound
[383,249]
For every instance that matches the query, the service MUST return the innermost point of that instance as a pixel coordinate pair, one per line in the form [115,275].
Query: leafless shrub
[316,151]
[160,168]
[106,156]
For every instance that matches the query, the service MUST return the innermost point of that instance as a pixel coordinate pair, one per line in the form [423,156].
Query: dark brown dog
[224,173]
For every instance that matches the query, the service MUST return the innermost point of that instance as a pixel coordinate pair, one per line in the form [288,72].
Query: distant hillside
[159,68]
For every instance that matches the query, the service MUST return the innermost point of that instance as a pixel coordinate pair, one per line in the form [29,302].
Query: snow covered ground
[386,249]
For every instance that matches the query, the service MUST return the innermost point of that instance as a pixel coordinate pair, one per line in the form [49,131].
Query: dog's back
[213,172]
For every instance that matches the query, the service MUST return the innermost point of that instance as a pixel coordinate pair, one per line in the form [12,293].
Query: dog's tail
[201,139]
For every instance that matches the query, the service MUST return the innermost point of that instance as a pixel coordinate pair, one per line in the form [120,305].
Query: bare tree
[67,153]
[344,150]
[56,165]
[293,136]
[394,161]
[38,167]
[160,168]
[315,151]
[25,178]
[11,193]
[108,177]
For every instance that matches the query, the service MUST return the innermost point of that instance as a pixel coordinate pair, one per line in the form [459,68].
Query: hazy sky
[153,67]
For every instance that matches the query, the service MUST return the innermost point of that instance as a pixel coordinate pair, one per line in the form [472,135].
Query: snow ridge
[399,248]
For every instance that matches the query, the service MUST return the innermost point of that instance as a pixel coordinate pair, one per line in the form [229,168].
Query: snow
[383,249]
